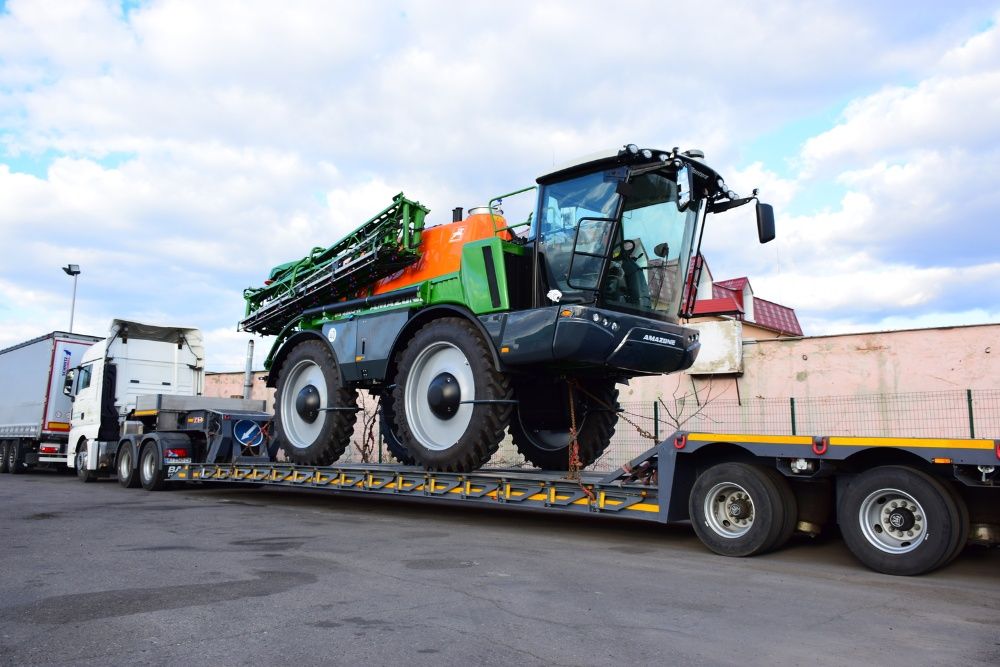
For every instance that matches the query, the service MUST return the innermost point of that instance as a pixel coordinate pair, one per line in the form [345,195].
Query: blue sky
[177,149]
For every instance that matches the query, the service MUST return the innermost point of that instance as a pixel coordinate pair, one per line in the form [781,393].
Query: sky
[177,149]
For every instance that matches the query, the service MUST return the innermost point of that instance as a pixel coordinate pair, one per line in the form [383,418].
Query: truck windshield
[651,251]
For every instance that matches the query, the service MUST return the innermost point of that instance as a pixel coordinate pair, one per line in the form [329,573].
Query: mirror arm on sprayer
[765,214]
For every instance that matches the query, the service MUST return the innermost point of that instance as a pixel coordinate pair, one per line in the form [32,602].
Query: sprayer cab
[620,229]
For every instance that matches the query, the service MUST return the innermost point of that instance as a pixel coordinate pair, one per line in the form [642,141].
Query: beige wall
[230,385]
[890,362]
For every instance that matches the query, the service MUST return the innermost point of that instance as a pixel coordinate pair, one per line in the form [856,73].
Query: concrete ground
[98,575]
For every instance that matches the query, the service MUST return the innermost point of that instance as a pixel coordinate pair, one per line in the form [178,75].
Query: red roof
[724,306]
[734,283]
[775,316]
[728,300]
[720,291]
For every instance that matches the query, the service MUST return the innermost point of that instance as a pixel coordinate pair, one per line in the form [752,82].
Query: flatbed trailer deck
[924,498]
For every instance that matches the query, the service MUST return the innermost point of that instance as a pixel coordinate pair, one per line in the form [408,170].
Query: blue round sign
[248,433]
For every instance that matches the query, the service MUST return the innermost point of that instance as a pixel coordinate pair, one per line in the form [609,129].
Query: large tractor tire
[308,386]
[4,463]
[541,423]
[443,367]
[387,427]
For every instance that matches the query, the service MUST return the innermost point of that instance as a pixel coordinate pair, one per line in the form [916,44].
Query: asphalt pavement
[94,574]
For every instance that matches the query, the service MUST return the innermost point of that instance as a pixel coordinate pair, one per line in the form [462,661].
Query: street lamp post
[72,270]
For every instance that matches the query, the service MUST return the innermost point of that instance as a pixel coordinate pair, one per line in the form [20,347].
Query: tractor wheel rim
[428,428]
[81,460]
[892,521]
[305,377]
[729,510]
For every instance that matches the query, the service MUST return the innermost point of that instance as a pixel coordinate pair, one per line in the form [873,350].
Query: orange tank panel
[441,250]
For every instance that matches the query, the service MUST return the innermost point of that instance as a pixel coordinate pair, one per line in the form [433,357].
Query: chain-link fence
[939,414]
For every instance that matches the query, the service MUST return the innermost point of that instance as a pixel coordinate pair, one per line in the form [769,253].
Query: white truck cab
[136,359]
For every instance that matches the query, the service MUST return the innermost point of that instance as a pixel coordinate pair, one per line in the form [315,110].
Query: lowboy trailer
[905,506]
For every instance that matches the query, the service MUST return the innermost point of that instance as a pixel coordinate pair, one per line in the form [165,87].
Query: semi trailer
[477,328]
[34,413]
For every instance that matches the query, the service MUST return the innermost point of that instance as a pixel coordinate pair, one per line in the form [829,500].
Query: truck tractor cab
[136,359]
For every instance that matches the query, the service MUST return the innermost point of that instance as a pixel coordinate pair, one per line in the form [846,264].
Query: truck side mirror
[765,222]
[68,383]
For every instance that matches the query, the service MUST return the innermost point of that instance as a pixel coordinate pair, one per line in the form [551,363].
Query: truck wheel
[128,473]
[898,520]
[737,509]
[445,365]
[82,473]
[4,464]
[540,426]
[387,427]
[151,468]
[308,383]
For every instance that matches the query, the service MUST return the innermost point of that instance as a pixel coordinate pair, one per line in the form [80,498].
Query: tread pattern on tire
[387,424]
[488,425]
[593,438]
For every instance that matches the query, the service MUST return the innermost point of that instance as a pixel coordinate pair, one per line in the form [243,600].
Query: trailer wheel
[737,509]
[82,473]
[445,365]
[151,473]
[308,385]
[15,459]
[899,520]
[387,427]
[128,473]
[540,426]
[4,464]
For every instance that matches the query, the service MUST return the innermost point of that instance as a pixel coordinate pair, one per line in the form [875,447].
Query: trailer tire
[964,523]
[308,382]
[737,509]
[15,458]
[4,464]
[542,403]
[447,362]
[789,506]
[387,428]
[151,473]
[128,471]
[898,520]
[80,459]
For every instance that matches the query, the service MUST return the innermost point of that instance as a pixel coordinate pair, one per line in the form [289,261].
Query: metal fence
[939,414]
